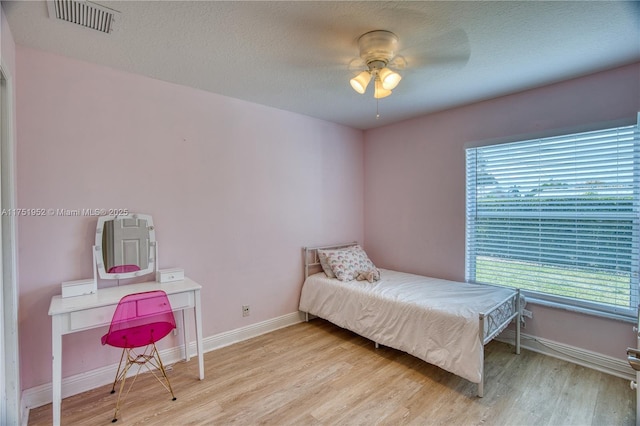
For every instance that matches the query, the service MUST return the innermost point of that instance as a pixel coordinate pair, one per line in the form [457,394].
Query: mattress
[433,319]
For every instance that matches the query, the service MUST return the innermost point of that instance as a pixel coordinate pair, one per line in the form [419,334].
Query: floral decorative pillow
[348,264]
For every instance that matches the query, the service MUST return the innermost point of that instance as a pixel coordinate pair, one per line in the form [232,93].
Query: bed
[445,323]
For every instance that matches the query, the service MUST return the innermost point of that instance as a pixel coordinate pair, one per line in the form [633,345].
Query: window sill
[532,299]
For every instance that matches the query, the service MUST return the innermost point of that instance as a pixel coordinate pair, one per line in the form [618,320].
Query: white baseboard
[603,363]
[73,385]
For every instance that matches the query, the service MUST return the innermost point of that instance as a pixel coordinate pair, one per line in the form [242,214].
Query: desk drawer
[91,318]
[181,300]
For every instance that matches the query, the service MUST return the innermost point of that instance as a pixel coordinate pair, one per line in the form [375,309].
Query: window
[558,218]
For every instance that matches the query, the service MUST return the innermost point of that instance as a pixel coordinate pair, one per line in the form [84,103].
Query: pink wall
[235,190]
[414,184]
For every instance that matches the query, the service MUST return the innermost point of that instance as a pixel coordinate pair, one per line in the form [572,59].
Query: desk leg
[56,372]
[185,335]
[198,317]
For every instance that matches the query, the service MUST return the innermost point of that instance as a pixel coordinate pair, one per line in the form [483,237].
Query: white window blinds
[558,217]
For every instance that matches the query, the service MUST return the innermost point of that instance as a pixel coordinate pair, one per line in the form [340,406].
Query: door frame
[10,388]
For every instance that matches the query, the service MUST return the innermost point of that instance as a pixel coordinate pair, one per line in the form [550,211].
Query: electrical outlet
[245,310]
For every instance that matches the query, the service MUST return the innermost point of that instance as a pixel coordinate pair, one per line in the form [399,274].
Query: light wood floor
[318,374]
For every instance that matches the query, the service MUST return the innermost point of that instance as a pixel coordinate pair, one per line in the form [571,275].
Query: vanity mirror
[125,246]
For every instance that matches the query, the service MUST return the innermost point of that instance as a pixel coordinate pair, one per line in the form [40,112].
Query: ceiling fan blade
[399,62]
[356,65]
[450,48]
[329,38]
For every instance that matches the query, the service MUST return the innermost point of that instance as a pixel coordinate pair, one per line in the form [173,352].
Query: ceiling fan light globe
[389,78]
[380,92]
[360,82]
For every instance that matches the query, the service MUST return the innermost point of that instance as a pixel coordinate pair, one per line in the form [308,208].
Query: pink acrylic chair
[140,320]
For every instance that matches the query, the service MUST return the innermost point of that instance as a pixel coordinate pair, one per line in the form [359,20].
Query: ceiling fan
[378,53]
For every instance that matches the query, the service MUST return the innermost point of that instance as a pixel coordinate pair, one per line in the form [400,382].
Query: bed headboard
[311,259]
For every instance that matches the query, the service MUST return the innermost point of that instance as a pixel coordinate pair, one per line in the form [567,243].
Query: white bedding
[435,320]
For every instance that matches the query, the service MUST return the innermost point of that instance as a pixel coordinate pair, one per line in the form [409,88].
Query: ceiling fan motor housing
[378,46]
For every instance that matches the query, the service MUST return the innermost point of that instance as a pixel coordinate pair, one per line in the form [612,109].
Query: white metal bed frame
[489,322]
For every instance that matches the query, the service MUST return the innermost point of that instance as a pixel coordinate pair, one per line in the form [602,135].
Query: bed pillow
[324,262]
[323,255]
[347,264]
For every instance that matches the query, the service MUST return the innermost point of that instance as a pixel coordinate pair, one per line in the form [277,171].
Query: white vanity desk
[74,314]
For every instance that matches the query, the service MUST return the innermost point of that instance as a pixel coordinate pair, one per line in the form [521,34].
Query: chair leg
[113,388]
[140,360]
[160,366]
[123,374]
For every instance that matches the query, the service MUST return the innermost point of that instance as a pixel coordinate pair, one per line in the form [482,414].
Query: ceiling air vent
[85,13]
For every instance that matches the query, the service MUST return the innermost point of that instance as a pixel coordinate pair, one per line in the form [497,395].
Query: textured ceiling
[296,56]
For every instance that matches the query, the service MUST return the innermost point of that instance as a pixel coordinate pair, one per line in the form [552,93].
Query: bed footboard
[494,321]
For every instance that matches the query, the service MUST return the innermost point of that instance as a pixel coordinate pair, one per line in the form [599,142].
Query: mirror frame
[98,253]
